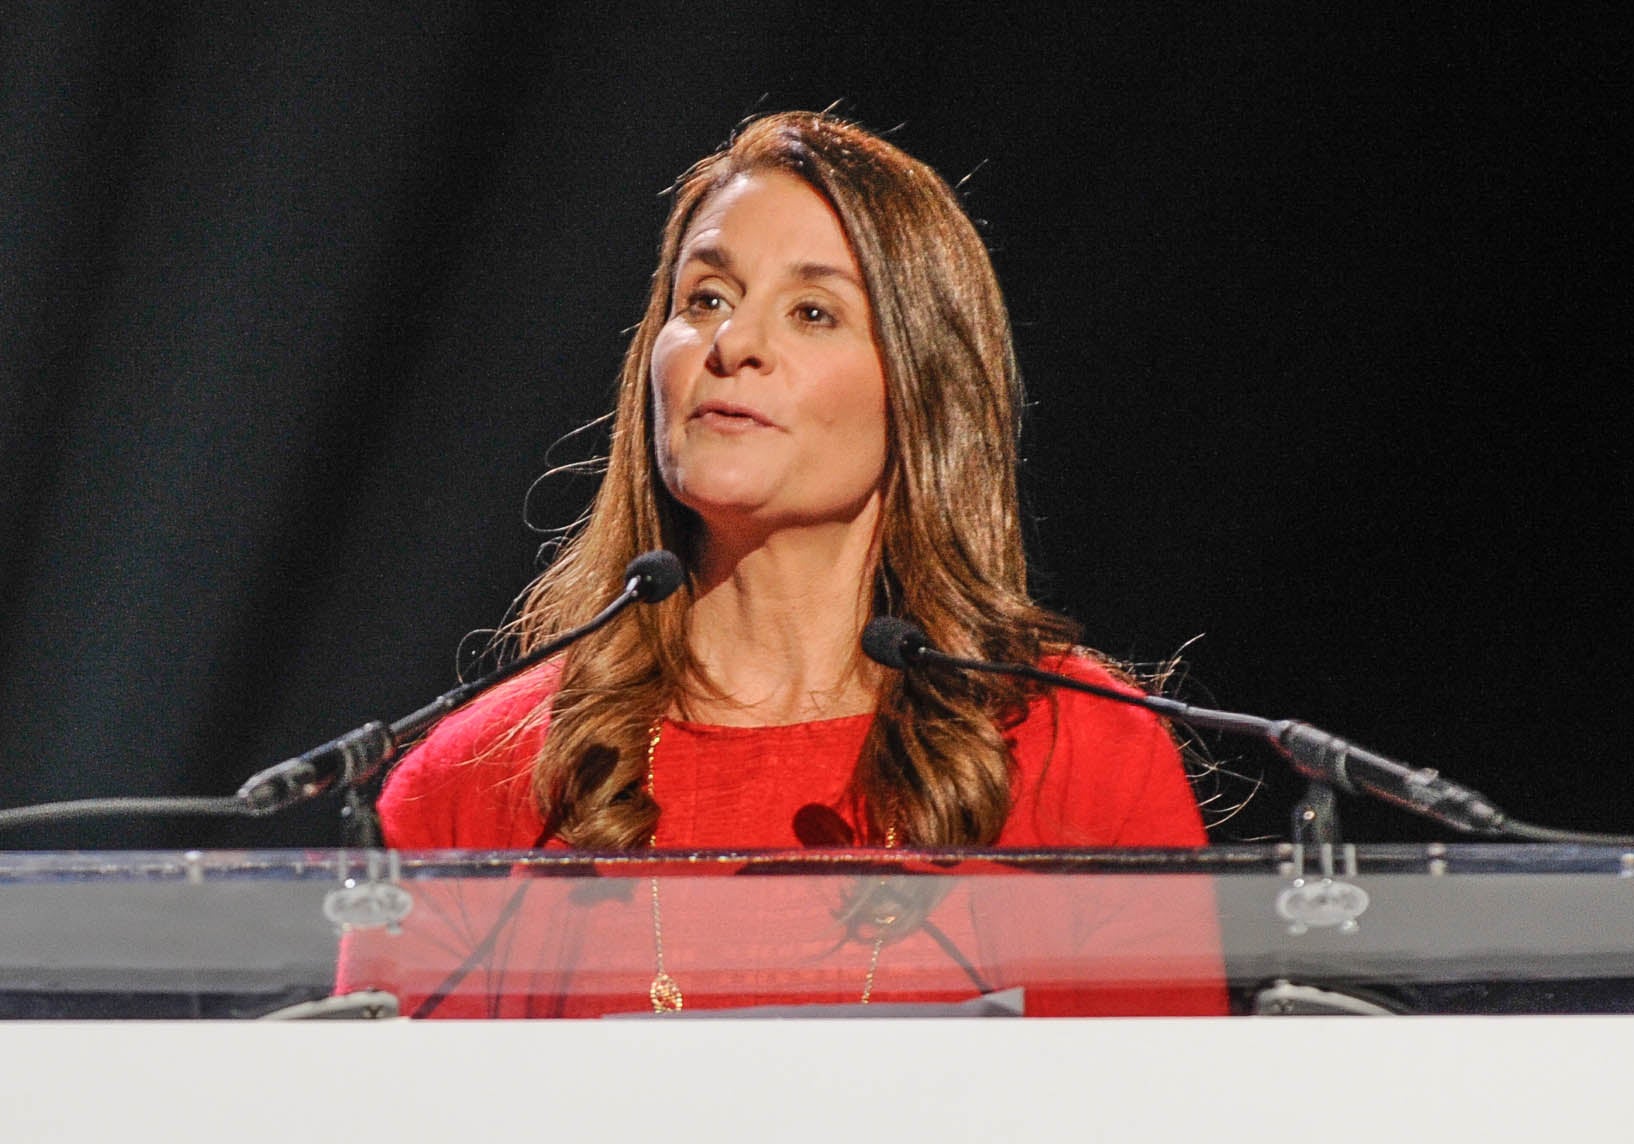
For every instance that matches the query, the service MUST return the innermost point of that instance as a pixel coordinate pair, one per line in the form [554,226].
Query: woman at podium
[819,414]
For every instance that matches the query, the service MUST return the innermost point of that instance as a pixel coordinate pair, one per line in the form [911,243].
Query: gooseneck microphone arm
[1314,753]
[357,756]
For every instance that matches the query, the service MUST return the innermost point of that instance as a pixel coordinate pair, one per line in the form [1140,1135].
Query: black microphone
[898,644]
[654,576]
[893,643]
[357,756]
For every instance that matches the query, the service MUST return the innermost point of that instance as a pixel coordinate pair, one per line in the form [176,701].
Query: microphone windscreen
[892,642]
[657,574]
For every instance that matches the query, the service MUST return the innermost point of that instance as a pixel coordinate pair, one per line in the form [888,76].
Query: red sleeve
[468,785]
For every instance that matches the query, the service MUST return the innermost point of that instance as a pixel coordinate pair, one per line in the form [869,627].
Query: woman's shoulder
[496,711]
[1093,771]
[1086,665]
[471,775]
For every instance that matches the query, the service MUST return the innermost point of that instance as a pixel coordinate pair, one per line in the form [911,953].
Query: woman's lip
[725,415]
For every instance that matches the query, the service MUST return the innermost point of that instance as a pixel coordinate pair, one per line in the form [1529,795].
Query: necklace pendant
[665,994]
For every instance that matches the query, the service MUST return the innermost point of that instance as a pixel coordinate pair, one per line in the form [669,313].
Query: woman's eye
[814,315]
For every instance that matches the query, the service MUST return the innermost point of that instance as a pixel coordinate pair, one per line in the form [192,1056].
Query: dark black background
[1323,310]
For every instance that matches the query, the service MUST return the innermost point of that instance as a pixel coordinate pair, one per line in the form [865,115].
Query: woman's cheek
[665,352]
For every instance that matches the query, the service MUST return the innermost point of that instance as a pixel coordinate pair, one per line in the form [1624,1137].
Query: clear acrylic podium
[1369,929]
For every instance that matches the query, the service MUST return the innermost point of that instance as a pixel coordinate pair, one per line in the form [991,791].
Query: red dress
[1088,773]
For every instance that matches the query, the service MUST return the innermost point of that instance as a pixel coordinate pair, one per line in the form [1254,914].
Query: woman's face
[768,392]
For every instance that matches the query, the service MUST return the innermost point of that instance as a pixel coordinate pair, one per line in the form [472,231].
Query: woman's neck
[775,628]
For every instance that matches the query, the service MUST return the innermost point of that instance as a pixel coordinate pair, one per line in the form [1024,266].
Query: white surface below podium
[1261,1079]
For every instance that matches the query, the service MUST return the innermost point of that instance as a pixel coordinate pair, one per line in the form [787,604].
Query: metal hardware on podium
[1327,901]
[1284,998]
[1316,816]
[371,903]
[359,822]
[361,1005]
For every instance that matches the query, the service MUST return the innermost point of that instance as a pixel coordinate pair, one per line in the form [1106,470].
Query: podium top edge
[1278,859]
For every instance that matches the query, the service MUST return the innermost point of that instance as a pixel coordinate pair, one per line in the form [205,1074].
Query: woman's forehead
[767,213]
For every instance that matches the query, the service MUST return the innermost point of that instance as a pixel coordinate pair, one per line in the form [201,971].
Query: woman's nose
[740,343]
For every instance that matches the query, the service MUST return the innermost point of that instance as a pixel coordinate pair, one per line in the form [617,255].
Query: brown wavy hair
[935,767]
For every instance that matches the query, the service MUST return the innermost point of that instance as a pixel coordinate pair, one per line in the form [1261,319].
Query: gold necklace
[664,993]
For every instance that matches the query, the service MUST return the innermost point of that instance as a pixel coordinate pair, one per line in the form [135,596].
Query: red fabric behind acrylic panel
[1088,773]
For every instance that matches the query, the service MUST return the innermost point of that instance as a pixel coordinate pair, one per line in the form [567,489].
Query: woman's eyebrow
[711,256]
[818,271]
[717,258]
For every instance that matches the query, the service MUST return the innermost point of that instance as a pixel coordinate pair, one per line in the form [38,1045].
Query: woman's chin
[749,508]
[724,502]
